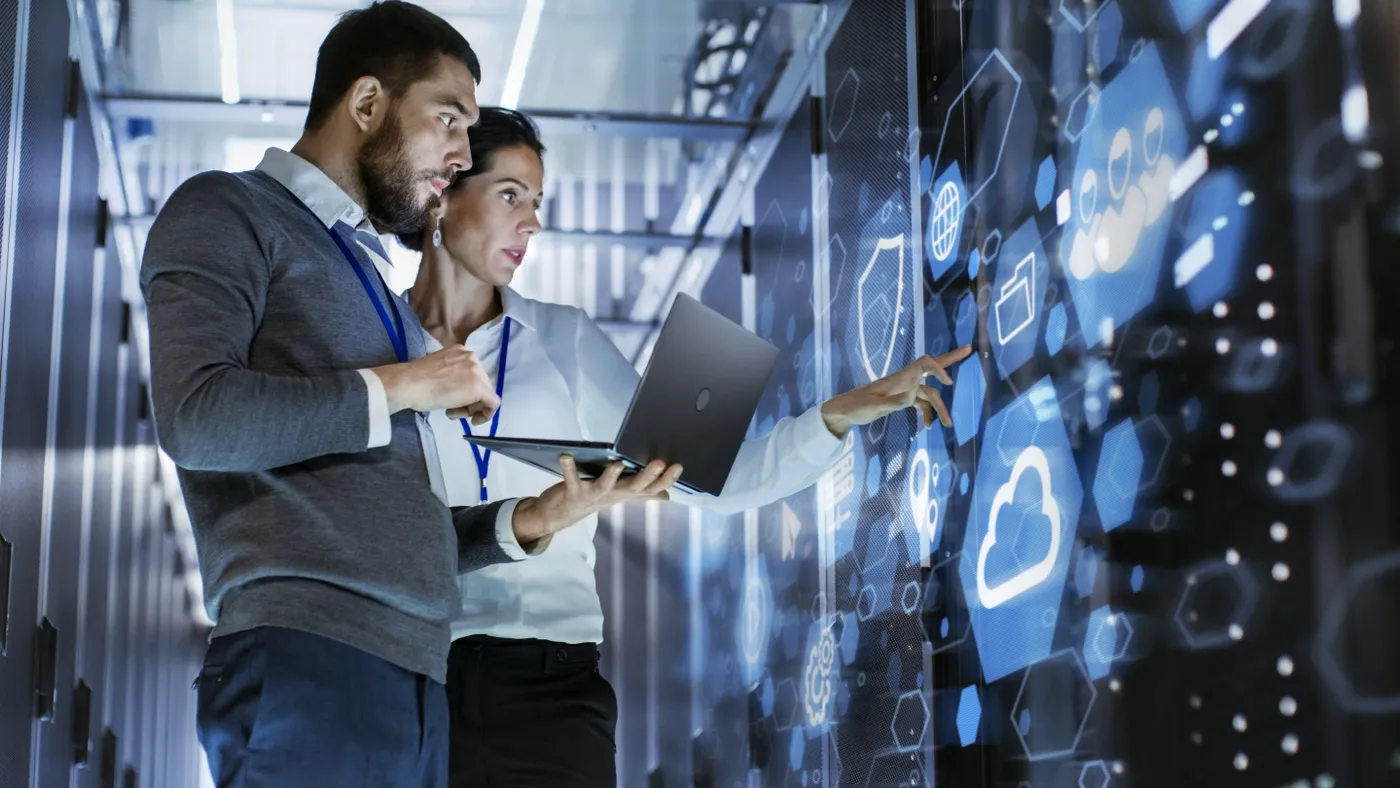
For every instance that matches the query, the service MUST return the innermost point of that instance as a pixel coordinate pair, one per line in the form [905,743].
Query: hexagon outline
[1333,673]
[1098,766]
[791,722]
[1006,132]
[832,130]
[1249,597]
[1314,433]
[898,744]
[1113,619]
[904,598]
[1091,91]
[883,756]
[967,631]
[1150,480]
[1088,707]
[861,614]
[1166,333]
[988,259]
[1120,651]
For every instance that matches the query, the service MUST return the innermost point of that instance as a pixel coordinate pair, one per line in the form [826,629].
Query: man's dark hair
[395,42]
[498,128]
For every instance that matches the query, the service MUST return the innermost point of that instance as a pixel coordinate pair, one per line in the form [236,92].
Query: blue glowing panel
[1216,226]
[1189,13]
[1120,472]
[1056,326]
[1109,33]
[1135,579]
[1206,82]
[1086,571]
[945,220]
[938,329]
[1018,299]
[1118,227]
[969,389]
[1045,183]
[965,328]
[969,715]
[1067,66]
[1020,533]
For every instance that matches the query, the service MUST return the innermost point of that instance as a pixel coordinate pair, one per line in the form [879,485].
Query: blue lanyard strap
[394,327]
[483,456]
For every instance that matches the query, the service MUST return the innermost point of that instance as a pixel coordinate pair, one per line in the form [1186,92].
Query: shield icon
[879,304]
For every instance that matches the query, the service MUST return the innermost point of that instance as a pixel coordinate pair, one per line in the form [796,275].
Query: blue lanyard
[483,456]
[394,327]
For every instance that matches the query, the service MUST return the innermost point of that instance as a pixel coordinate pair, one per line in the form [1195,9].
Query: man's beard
[391,185]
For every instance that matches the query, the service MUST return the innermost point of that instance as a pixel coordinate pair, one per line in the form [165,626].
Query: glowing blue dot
[943,628]
[1024,722]
[974,261]
[1136,579]
[963,484]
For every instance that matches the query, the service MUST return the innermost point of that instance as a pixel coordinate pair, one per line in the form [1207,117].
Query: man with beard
[288,382]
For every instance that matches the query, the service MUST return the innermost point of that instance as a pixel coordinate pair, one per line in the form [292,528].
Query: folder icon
[1015,308]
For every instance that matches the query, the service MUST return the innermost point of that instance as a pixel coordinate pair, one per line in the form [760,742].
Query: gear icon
[817,678]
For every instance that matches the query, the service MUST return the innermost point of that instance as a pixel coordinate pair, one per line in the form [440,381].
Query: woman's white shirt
[566,380]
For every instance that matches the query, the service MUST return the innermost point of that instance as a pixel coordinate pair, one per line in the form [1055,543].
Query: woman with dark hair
[529,707]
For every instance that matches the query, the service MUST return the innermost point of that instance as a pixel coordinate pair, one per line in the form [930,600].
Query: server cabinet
[27,352]
[67,492]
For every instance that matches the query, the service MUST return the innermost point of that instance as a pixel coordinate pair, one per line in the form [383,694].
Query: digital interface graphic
[1092,577]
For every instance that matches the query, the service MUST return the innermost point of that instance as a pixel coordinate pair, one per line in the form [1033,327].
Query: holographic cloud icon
[1030,459]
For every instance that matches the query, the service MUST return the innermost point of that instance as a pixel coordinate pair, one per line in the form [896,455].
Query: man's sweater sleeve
[205,277]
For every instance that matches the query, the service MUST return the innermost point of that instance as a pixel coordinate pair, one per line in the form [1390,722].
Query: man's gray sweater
[257,327]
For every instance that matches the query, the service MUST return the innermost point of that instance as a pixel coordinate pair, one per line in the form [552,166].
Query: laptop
[693,406]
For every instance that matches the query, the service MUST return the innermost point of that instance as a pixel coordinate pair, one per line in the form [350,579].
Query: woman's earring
[437,234]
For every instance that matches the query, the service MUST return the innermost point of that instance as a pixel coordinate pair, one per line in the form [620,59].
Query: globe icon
[947,214]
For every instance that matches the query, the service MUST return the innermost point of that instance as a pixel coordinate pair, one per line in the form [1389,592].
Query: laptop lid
[698,395]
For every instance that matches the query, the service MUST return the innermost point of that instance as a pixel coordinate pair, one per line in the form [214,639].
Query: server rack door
[134,622]
[97,597]
[69,415]
[27,356]
[86,269]
[16,623]
[115,681]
